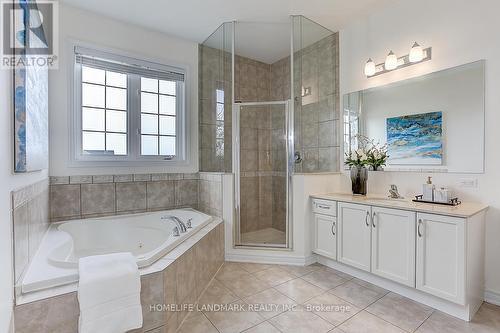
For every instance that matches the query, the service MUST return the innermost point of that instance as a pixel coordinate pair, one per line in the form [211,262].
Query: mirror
[432,123]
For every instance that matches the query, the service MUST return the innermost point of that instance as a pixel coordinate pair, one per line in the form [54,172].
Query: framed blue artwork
[415,139]
[30,100]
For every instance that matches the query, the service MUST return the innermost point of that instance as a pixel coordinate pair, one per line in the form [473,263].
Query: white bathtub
[147,236]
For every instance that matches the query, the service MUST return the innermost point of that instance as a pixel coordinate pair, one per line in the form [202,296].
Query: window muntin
[158,117]
[104,112]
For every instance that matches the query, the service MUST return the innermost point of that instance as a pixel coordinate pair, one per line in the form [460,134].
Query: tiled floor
[317,299]
[264,236]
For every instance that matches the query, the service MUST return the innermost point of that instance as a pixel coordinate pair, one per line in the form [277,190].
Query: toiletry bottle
[428,190]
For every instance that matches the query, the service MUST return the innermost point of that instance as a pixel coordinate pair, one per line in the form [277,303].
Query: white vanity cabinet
[441,256]
[426,249]
[325,228]
[354,235]
[393,245]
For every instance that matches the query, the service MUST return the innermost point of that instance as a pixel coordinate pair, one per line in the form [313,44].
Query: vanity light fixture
[370,67]
[392,62]
[416,53]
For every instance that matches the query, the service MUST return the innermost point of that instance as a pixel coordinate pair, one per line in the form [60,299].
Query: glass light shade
[416,53]
[391,62]
[370,68]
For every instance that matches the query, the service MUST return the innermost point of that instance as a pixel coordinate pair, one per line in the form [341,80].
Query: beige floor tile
[274,276]
[216,293]
[486,320]
[197,323]
[300,321]
[245,285]
[325,279]
[299,290]
[270,303]
[300,270]
[365,322]
[400,311]
[264,327]
[339,273]
[370,286]
[331,308]
[230,271]
[356,294]
[251,267]
[234,320]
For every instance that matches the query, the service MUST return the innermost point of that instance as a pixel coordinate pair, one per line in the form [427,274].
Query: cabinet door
[393,245]
[441,256]
[353,236]
[325,229]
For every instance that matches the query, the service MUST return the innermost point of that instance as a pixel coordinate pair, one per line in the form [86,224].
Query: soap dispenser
[428,190]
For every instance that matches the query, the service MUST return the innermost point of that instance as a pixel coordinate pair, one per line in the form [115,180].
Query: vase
[359,176]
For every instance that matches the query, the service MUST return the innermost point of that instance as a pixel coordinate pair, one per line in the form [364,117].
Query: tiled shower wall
[92,196]
[317,114]
[30,205]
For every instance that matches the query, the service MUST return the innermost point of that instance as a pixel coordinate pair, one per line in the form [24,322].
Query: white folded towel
[109,293]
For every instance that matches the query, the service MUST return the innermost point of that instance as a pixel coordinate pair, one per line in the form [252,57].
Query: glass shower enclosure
[267,93]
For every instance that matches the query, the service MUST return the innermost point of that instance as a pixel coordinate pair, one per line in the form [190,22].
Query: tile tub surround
[191,267]
[75,197]
[30,206]
[315,299]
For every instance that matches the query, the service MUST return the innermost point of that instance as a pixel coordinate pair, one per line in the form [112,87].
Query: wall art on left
[31,140]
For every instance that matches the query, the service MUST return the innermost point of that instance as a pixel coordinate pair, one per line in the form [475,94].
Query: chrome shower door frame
[289,143]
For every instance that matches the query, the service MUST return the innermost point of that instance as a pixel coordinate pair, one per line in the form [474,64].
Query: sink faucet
[393,193]
[182,227]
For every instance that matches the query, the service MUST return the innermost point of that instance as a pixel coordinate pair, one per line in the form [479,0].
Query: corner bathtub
[146,235]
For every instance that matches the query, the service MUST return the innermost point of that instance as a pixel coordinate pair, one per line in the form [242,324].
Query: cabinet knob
[366,219]
[373,219]
[333,228]
[420,222]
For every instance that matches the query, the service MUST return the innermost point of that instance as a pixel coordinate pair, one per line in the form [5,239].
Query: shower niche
[268,109]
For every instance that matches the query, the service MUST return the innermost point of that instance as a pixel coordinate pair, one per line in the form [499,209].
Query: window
[127,109]
[219,123]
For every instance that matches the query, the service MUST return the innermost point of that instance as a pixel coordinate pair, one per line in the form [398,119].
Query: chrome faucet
[182,227]
[393,193]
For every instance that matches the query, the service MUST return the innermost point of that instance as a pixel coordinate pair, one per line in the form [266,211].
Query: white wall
[8,182]
[84,26]
[459,32]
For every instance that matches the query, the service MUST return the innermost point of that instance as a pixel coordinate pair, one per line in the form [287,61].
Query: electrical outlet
[468,182]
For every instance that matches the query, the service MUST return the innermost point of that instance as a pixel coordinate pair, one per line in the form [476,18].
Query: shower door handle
[297,157]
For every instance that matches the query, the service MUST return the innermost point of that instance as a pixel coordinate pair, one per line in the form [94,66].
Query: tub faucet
[177,221]
[393,193]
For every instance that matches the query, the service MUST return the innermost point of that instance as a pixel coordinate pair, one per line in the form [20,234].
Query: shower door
[262,142]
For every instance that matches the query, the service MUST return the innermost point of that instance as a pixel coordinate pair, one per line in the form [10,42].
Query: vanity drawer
[325,207]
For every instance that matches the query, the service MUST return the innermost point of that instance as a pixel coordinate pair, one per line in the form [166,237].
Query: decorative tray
[452,202]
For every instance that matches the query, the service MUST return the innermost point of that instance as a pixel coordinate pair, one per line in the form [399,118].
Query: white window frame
[133,157]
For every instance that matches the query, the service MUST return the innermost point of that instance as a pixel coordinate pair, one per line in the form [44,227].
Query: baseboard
[492,297]
[265,258]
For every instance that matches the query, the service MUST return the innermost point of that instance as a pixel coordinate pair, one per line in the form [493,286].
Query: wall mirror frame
[430,123]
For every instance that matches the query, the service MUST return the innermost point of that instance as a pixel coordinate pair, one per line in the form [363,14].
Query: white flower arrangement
[369,153]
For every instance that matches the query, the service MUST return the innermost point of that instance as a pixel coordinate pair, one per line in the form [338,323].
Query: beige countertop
[465,209]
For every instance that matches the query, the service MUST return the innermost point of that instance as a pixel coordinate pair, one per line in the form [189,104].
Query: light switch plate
[468,182]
